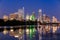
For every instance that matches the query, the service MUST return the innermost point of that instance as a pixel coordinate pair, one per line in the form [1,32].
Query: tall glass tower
[40,15]
[32,17]
[32,29]
[21,13]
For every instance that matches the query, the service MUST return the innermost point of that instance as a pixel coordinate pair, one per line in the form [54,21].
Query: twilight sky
[49,7]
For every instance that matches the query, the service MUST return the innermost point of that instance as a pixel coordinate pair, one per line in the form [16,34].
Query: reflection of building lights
[11,30]
[20,31]
[16,36]
[27,31]
[34,30]
[11,33]
[54,29]
[47,28]
[5,32]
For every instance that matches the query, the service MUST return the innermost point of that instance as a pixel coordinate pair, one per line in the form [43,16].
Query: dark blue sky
[49,7]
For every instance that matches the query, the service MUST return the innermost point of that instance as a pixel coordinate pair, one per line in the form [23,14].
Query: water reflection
[32,33]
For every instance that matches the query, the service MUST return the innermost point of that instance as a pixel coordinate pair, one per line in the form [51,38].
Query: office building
[5,17]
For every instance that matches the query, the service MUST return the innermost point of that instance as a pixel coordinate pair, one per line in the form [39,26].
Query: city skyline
[29,19]
[49,7]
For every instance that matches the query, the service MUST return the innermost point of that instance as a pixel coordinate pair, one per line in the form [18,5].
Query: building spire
[23,8]
[23,12]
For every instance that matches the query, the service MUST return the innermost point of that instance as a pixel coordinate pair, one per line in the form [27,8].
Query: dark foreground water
[6,37]
[37,37]
[51,37]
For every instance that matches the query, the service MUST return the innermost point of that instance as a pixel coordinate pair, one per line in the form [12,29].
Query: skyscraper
[40,27]
[32,17]
[46,18]
[54,27]
[12,16]
[54,19]
[40,15]
[32,29]
[27,17]
[21,13]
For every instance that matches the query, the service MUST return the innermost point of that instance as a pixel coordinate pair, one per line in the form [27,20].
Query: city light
[21,31]
[32,17]
[42,22]
[27,17]
[5,31]
[40,10]
[54,19]
[11,30]
[27,31]
[5,17]
[16,36]
[54,29]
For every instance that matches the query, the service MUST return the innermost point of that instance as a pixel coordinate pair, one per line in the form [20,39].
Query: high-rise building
[12,16]
[46,18]
[5,31]
[54,27]
[40,15]
[32,17]
[54,19]
[21,13]
[16,15]
[27,17]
